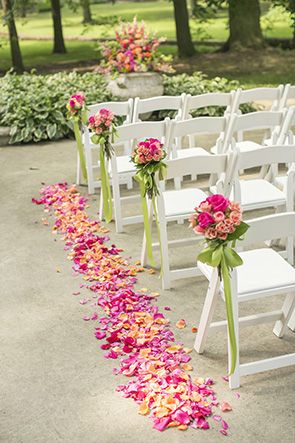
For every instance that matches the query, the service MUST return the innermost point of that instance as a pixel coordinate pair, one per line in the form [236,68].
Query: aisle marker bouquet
[220,221]
[103,128]
[76,112]
[148,158]
[134,50]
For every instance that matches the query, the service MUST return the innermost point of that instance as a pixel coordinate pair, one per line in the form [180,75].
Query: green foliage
[199,83]
[34,105]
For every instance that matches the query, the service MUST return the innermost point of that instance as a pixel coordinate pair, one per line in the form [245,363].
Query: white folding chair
[266,97]
[174,205]
[268,121]
[288,97]
[264,273]
[207,102]
[120,165]
[120,109]
[163,103]
[259,193]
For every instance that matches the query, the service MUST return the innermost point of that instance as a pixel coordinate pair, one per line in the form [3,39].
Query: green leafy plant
[34,106]
[199,83]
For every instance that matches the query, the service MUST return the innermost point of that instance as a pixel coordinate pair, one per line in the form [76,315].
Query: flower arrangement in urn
[134,50]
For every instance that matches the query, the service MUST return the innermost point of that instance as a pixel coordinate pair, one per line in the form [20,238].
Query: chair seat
[248,145]
[258,193]
[262,270]
[182,201]
[124,165]
[191,152]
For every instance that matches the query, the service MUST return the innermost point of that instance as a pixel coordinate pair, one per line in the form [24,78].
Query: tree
[183,34]
[59,44]
[16,56]
[289,5]
[87,17]
[244,23]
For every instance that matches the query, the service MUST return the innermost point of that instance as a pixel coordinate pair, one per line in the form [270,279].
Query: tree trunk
[183,34]
[244,25]
[59,44]
[194,8]
[16,56]
[87,18]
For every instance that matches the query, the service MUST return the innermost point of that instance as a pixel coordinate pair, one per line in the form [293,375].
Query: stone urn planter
[136,84]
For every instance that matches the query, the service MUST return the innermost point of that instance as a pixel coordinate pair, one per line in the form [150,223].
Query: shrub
[34,106]
[199,83]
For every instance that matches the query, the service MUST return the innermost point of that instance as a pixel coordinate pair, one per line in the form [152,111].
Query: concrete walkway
[55,385]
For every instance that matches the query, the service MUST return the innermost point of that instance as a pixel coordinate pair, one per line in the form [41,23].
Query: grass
[158,16]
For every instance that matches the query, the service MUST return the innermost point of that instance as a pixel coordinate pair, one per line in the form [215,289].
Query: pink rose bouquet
[220,221]
[76,106]
[103,128]
[148,158]
[76,113]
[134,50]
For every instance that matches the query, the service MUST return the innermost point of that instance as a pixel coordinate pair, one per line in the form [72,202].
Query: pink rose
[219,216]
[203,207]
[218,202]
[211,233]
[205,219]
[222,236]
[91,120]
[198,230]
[235,217]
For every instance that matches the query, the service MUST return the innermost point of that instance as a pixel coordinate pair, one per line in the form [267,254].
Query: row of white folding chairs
[131,110]
[123,170]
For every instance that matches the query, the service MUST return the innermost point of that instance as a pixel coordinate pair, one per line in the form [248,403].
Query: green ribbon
[146,223]
[80,148]
[105,187]
[159,233]
[219,254]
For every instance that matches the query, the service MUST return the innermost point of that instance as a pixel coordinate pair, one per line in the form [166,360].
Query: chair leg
[144,257]
[287,310]
[208,311]
[78,173]
[162,226]
[234,379]
[117,205]
[100,206]
[291,323]
[129,183]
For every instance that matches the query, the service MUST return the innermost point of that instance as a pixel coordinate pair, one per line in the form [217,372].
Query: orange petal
[225,406]
[182,427]
[173,349]
[194,330]
[187,367]
[181,324]
[143,408]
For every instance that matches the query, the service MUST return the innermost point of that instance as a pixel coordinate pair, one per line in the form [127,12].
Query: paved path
[55,386]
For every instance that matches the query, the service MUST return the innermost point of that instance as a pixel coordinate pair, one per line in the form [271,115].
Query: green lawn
[158,16]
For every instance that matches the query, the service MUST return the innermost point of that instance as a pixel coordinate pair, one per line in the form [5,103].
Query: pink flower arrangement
[103,128]
[216,217]
[76,105]
[150,150]
[134,50]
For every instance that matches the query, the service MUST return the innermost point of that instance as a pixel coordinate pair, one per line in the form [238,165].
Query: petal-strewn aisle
[131,326]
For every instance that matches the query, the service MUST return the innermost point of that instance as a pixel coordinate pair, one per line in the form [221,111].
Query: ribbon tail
[147,227]
[106,188]
[80,148]
[229,313]
[159,232]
